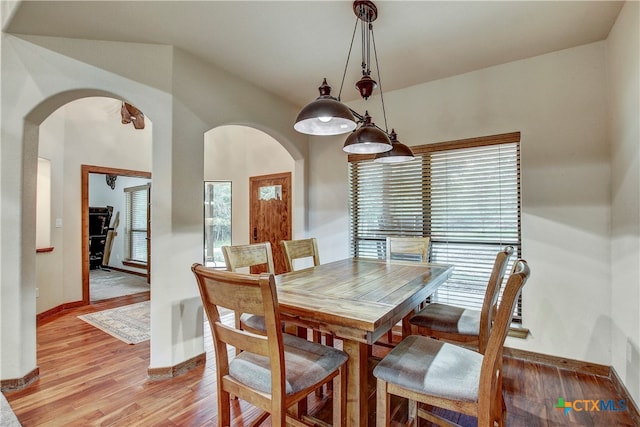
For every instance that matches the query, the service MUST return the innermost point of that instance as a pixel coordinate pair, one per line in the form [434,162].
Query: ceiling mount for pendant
[365,10]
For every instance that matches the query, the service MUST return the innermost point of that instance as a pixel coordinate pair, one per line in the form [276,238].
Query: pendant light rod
[346,65]
[375,55]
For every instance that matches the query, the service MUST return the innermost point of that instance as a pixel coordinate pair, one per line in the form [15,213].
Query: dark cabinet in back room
[99,220]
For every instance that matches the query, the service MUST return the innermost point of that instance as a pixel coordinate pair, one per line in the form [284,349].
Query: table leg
[357,382]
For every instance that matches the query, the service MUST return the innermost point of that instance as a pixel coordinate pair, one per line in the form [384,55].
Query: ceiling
[287,47]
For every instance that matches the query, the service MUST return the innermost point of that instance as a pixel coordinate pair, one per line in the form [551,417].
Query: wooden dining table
[358,300]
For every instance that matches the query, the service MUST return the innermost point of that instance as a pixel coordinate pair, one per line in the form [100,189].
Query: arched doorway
[87,131]
[235,154]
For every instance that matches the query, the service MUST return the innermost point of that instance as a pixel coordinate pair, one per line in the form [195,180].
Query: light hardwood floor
[88,378]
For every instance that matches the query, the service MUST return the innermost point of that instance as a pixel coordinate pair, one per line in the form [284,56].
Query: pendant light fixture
[368,139]
[329,116]
[399,152]
[325,116]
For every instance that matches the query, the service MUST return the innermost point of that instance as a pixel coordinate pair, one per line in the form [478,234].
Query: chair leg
[317,337]
[502,412]
[224,409]
[383,405]
[499,410]
[328,339]
[237,324]
[412,414]
[301,408]
[340,398]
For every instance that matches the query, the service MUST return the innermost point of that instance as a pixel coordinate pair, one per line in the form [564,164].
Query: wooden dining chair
[300,249]
[461,325]
[274,371]
[305,249]
[448,376]
[242,256]
[406,249]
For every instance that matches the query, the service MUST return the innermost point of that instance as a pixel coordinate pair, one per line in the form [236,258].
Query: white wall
[558,103]
[623,47]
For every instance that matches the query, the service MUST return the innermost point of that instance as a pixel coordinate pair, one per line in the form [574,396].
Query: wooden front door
[270,214]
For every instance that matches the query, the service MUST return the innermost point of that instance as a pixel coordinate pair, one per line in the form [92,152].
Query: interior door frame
[86,170]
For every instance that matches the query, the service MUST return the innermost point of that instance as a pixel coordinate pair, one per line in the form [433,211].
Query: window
[217,221]
[136,208]
[464,194]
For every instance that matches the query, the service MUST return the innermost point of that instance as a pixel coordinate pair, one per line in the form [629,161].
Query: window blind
[136,201]
[465,195]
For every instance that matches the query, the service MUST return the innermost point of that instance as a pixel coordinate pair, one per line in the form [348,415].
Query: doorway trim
[86,170]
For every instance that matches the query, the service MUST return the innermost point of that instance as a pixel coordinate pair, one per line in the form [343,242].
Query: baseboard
[579,366]
[622,391]
[122,270]
[177,370]
[55,310]
[20,383]
[558,362]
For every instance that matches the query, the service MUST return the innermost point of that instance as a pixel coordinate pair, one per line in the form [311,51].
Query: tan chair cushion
[306,364]
[253,322]
[432,367]
[448,318]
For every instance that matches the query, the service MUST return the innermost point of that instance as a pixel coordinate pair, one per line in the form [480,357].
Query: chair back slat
[408,248]
[241,339]
[234,294]
[239,256]
[302,248]
[489,304]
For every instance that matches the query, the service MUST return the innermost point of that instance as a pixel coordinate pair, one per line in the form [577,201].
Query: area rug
[130,323]
[7,417]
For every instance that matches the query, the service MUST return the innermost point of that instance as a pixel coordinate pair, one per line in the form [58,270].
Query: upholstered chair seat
[429,366]
[307,363]
[449,319]
[252,323]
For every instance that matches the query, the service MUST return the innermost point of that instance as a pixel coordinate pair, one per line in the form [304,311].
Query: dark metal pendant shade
[368,139]
[399,152]
[325,116]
